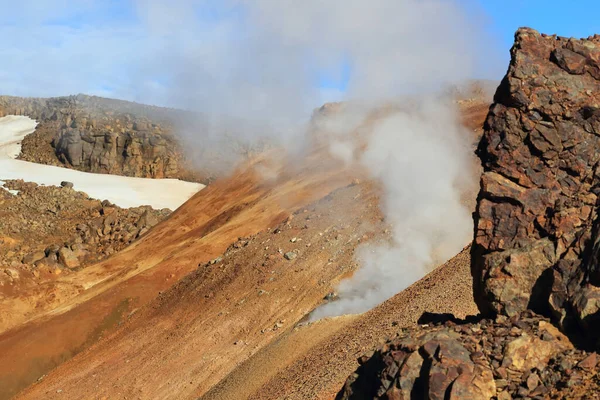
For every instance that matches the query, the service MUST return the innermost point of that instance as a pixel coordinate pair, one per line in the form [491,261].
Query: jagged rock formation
[536,246]
[100,135]
[54,229]
[521,357]
[538,201]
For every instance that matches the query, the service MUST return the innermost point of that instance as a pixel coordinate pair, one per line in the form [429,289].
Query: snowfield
[120,190]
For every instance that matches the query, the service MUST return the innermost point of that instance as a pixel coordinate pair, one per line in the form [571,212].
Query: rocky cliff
[100,135]
[535,225]
[535,251]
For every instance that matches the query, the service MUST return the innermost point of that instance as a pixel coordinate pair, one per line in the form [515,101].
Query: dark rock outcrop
[520,357]
[115,149]
[536,234]
[100,135]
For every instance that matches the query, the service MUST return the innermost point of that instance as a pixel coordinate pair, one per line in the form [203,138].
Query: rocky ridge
[49,229]
[100,135]
[534,259]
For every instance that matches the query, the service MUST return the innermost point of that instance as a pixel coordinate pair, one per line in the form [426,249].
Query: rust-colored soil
[199,231]
[311,375]
[194,334]
[136,332]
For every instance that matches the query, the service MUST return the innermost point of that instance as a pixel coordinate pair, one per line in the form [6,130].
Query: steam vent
[534,263]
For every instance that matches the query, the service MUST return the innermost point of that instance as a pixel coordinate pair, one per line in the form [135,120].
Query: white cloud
[237,55]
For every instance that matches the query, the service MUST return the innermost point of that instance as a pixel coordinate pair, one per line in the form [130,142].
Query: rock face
[115,149]
[536,230]
[100,135]
[521,357]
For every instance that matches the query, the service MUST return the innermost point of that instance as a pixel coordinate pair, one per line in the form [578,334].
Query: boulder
[521,357]
[528,351]
[32,258]
[147,220]
[68,258]
[537,235]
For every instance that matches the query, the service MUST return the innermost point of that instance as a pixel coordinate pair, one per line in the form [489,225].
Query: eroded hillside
[199,231]
[257,255]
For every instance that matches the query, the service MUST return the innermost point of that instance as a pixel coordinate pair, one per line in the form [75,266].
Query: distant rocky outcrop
[94,134]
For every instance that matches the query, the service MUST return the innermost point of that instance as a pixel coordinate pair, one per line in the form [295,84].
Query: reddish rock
[536,246]
[476,360]
[528,352]
[68,258]
[589,363]
[536,214]
[435,365]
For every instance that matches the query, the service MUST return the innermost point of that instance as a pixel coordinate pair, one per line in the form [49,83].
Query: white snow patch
[13,192]
[120,190]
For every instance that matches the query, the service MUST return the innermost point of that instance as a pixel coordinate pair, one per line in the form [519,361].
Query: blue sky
[577,18]
[135,49]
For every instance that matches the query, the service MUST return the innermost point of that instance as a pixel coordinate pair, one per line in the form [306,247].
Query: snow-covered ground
[120,190]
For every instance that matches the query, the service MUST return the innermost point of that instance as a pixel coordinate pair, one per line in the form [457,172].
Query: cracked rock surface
[536,234]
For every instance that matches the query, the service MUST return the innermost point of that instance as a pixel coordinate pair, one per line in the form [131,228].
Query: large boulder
[537,238]
[68,258]
[505,358]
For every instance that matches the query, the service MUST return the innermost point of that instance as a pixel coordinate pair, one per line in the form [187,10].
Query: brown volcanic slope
[198,331]
[312,362]
[189,338]
[48,233]
[197,232]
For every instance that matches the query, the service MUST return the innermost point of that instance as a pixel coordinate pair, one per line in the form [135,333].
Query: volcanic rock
[68,258]
[537,237]
[93,134]
[32,258]
[503,358]
[536,246]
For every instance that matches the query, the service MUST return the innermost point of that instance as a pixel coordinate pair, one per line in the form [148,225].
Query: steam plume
[421,157]
[262,62]
[256,69]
